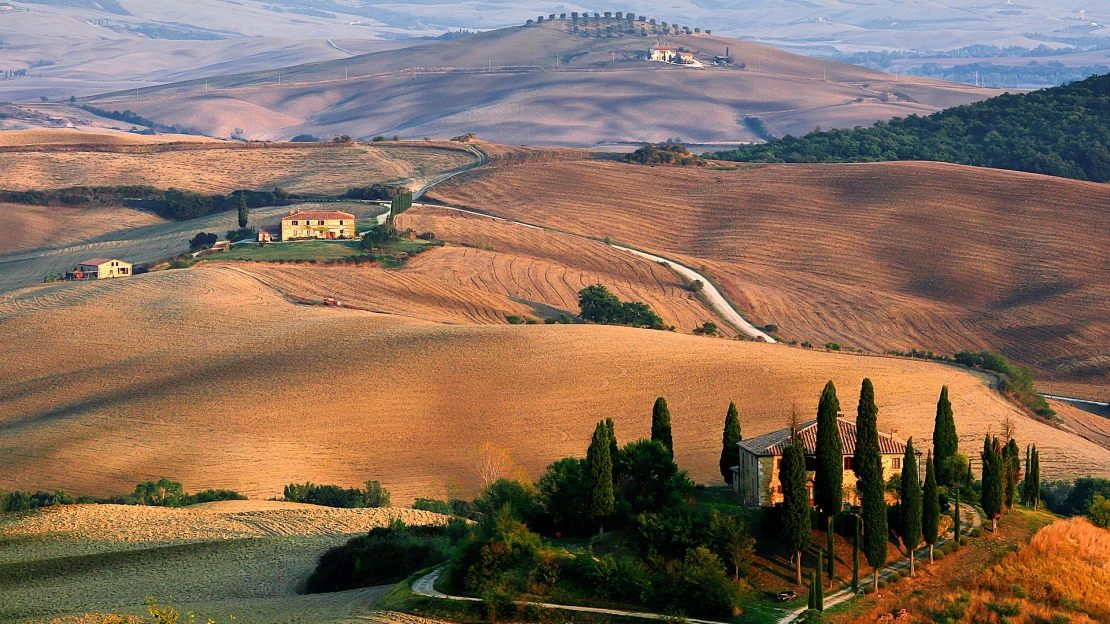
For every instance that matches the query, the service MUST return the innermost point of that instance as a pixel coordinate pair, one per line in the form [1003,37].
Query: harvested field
[308,169]
[874,256]
[211,521]
[1091,421]
[218,382]
[67,136]
[37,227]
[241,558]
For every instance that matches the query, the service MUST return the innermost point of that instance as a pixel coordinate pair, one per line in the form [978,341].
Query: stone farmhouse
[756,479]
[665,55]
[101,268]
[311,224]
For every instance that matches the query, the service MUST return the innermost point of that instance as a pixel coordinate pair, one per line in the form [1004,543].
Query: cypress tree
[812,594]
[1011,471]
[945,441]
[828,479]
[911,503]
[730,453]
[956,520]
[869,468]
[1025,481]
[243,212]
[930,507]
[830,548]
[969,478]
[614,449]
[1036,484]
[855,557]
[991,497]
[661,424]
[795,505]
[600,477]
[819,598]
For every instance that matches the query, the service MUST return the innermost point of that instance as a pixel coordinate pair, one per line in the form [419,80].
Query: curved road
[716,300]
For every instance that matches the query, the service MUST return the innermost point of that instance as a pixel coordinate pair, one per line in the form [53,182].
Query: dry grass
[1062,570]
[209,377]
[37,227]
[876,256]
[222,169]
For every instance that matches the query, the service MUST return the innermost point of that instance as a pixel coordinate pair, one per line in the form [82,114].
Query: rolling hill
[887,256]
[1060,131]
[545,84]
[209,376]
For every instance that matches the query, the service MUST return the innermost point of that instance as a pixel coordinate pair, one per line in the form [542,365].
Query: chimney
[292,212]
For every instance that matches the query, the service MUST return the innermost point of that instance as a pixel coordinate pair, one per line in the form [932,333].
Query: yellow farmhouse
[756,479]
[101,268]
[318,224]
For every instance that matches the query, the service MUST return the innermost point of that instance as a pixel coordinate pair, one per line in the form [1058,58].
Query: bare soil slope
[875,256]
[545,85]
[210,377]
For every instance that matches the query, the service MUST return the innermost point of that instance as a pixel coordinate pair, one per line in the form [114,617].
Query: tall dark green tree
[956,528]
[945,441]
[1035,484]
[868,465]
[730,452]
[828,479]
[830,548]
[796,525]
[1025,494]
[991,497]
[243,211]
[910,494]
[819,592]
[599,484]
[930,506]
[614,449]
[1011,471]
[661,424]
[855,555]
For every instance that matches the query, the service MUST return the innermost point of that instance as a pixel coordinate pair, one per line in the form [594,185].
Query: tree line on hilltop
[1062,131]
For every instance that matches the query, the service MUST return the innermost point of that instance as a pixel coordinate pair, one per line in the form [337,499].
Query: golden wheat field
[208,376]
[221,168]
[37,227]
[875,256]
[242,558]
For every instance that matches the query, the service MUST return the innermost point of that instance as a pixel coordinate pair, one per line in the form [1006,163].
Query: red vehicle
[332,301]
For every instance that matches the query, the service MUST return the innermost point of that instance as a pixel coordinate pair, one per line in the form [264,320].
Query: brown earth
[66,136]
[545,85]
[210,377]
[874,256]
[221,169]
[38,227]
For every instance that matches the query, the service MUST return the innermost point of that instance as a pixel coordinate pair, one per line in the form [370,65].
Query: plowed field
[210,377]
[223,169]
[875,256]
[37,227]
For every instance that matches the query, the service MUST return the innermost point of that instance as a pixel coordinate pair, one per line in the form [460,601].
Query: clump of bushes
[664,154]
[385,555]
[203,240]
[334,496]
[374,191]
[601,306]
[24,501]
[161,493]
[1017,381]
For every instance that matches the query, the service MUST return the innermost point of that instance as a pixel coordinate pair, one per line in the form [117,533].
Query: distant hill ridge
[1063,131]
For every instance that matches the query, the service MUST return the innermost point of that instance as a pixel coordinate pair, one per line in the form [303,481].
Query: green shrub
[812,616]
[1005,609]
[385,555]
[1099,512]
[334,496]
[513,319]
[598,305]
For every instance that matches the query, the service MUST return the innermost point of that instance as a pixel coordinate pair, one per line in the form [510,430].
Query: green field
[318,250]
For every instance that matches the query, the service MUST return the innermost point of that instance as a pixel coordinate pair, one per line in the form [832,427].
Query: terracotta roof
[326,215]
[662,49]
[99,261]
[272,229]
[772,444]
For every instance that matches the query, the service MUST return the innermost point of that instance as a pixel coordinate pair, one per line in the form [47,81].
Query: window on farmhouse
[294,223]
[848,462]
[320,222]
[896,463]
